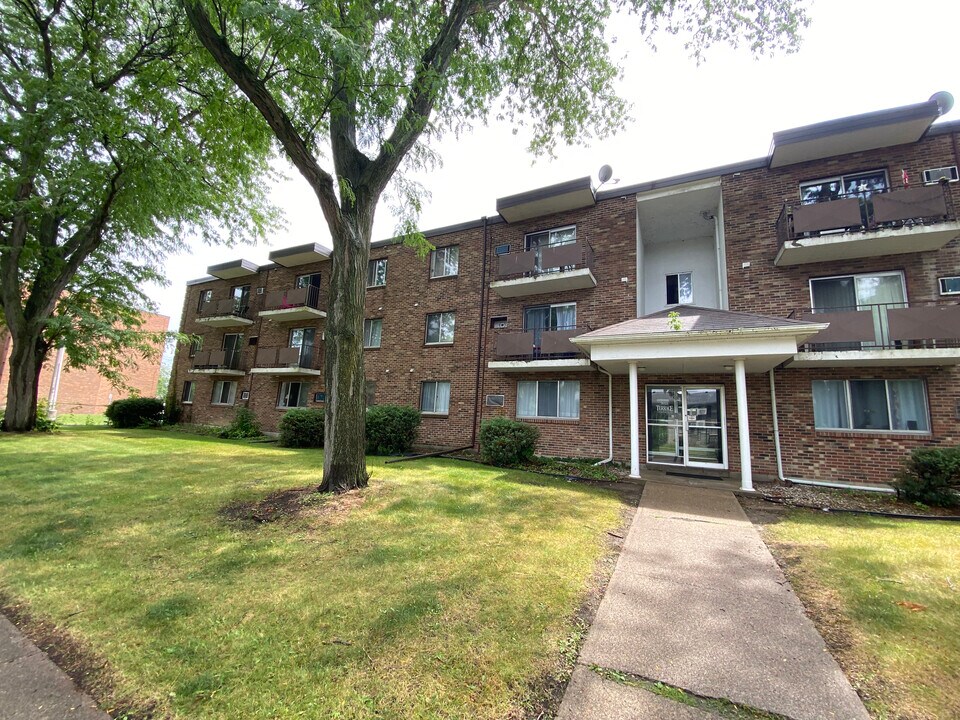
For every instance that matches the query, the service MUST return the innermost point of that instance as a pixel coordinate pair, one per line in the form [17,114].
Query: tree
[115,144]
[368,83]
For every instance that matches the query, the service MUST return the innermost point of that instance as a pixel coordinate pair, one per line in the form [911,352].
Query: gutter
[689,335]
[481,335]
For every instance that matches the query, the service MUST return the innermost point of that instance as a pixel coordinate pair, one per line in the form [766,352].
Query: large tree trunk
[344,464]
[26,361]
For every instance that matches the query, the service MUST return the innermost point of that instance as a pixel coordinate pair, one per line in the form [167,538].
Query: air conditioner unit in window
[935,175]
[259,291]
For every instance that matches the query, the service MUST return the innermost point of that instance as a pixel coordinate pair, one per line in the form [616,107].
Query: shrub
[391,429]
[244,425]
[135,412]
[507,442]
[44,422]
[302,428]
[931,476]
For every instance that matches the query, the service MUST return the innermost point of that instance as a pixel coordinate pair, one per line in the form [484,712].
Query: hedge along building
[788,316]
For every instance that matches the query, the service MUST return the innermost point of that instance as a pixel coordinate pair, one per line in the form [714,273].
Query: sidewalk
[33,688]
[697,602]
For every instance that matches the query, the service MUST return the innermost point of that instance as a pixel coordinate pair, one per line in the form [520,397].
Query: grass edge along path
[445,592]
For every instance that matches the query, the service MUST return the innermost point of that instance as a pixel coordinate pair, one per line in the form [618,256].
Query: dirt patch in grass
[813,497]
[90,672]
[291,503]
[544,696]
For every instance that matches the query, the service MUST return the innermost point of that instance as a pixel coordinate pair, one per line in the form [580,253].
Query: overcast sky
[856,56]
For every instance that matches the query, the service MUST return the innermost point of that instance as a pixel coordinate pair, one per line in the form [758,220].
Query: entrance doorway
[686,425]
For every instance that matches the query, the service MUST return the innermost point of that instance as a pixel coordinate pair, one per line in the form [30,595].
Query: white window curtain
[442,404]
[830,404]
[882,293]
[908,405]
[570,399]
[446,261]
[526,399]
[372,331]
[564,317]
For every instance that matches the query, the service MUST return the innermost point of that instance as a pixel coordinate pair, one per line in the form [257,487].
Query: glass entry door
[686,425]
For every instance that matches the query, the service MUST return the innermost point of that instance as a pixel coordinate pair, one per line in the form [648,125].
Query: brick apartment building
[787,316]
[86,391]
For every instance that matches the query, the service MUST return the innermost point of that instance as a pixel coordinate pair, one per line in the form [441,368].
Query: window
[311,280]
[377,273]
[548,399]
[680,288]
[440,328]
[241,297]
[950,285]
[372,332]
[561,316]
[224,392]
[303,338]
[435,397]
[186,397]
[232,345]
[861,185]
[549,238]
[877,292]
[878,405]
[205,297]
[370,392]
[292,395]
[501,249]
[445,261]
[196,345]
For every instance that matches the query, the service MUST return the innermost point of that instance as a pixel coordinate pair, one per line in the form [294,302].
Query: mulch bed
[835,499]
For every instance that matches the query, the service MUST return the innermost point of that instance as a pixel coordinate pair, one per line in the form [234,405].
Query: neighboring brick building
[793,310]
[86,391]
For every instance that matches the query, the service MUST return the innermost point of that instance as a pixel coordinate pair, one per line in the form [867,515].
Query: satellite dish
[943,99]
[606,172]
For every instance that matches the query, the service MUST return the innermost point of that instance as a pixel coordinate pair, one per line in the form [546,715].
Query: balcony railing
[545,344]
[884,326]
[308,297]
[217,360]
[225,307]
[303,357]
[547,259]
[866,212]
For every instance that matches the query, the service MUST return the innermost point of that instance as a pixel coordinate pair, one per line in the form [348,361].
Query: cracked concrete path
[697,601]
[33,688]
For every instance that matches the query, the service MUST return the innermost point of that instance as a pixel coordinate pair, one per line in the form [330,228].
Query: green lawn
[446,593]
[88,419]
[852,572]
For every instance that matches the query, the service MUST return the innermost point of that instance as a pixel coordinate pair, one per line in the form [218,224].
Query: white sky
[856,56]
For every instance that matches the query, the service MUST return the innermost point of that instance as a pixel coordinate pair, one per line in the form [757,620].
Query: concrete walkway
[696,601]
[33,688]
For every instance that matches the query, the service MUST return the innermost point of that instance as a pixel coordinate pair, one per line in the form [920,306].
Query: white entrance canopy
[706,341]
[691,339]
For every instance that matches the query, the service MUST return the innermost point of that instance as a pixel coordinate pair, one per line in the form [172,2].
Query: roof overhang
[710,351]
[233,269]
[299,255]
[569,195]
[883,128]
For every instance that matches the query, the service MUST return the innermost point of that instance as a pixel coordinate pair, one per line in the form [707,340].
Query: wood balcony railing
[545,344]
[884,326]
[305,357]
[547,259]
[866,212]
[225,307]
[217,360]
[293,298]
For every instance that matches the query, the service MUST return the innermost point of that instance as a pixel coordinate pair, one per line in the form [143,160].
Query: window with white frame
[292,395]
[537,241]
[435,397]
[372,332]
[680,288]
[950,285]
[186,397]
[445,261]
[310,280]
[440,327]
[875,405]
[224,392]
[860,184]
[196,345]
[377,273]
[205,297]
[548,399]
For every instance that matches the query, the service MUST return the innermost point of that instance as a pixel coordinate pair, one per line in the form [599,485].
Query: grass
[448,592]
[886,595]
[68,419]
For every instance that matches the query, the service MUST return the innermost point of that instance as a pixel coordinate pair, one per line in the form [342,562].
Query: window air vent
[935,175]
[259,291]
[494,401]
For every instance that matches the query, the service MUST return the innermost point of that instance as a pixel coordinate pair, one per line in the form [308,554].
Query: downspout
[480,377]
[800,481]
[55,384]
[609,415]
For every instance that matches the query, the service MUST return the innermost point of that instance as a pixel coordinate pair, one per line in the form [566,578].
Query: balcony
[225,313]
[550,269]
[299,360]
[890,222]
[539,350]
[293,304]
[217,362]
[891,334]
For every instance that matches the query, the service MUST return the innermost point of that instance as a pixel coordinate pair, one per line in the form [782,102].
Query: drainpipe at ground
[55,384]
